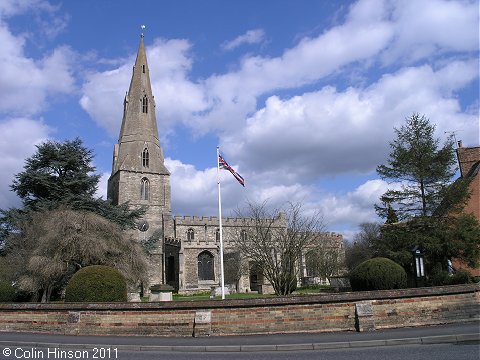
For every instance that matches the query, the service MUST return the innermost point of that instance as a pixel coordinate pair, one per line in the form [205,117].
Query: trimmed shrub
[7,291]
[96,283]
[460,277]
[378,274]
[444,278]
[439,278]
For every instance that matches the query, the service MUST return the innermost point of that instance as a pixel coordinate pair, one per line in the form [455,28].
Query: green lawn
[196,297]
[206,296]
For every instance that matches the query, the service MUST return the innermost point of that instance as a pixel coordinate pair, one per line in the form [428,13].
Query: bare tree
[275,241]
[234,268]
[325,260]
[362,248]
[53,245]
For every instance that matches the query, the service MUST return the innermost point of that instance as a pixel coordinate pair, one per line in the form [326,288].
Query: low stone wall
[314,313]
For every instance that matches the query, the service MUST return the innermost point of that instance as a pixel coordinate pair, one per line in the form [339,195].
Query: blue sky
[301,96]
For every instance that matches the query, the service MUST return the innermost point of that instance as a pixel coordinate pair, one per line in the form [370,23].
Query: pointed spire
[139,125]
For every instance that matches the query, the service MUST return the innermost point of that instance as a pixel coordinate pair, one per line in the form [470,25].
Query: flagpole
[222,276]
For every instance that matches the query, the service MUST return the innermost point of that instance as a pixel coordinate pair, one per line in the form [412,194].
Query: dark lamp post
[419,265]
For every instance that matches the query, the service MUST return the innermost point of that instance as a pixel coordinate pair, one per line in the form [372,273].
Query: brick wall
[329,312]
[467,158]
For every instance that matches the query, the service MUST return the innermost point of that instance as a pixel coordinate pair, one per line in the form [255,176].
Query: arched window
[243,235]
[145,104]
[190,235]
[217,235]
[145,158]
[205,266]
[145,189]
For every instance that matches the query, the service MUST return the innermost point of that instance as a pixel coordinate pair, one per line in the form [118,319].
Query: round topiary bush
[378,274]
[96,283]
[7,291]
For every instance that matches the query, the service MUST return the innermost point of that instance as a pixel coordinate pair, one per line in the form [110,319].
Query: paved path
[453,333]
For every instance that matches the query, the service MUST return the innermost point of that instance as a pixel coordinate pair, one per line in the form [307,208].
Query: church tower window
[145,104]
[143,69]
[145,159]
[190,235]
[205,266]
[217,235]
[145,189]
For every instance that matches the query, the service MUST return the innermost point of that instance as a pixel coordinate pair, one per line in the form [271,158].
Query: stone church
[185,253]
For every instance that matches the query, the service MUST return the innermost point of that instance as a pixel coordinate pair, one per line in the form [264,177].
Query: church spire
[139,124]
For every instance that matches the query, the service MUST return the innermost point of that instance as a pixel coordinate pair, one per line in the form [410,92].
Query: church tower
[139,175]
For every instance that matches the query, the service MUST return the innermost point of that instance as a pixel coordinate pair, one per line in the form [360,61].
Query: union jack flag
[224,166]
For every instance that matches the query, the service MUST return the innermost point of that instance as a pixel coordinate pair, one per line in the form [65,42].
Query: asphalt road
[432,342]
[411,352]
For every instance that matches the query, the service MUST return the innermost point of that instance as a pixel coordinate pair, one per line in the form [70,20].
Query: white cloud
[176,97]
[343,209]
[26,83]
[425,28]
[18,140]
[194,192]
[102,97]
[102,186]
[222,102]
[14,7]
[327,132]
[192,189]
[234,94]
[254,36]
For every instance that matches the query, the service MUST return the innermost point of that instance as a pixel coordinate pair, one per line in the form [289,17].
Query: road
[455,341]
[467,351]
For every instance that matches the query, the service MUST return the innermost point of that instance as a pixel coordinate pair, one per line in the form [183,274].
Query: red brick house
[469,161]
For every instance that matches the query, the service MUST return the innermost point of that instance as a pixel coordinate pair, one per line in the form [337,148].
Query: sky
[301,96]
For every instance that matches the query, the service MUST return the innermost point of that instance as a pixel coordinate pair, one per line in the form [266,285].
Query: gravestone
[161,292]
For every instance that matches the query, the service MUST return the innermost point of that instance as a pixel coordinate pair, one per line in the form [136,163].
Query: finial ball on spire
[142,27]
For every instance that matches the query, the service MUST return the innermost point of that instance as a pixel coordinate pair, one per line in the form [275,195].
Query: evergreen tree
[56,173]
[441,238]
[61,174]
[392,217]
[423,169]
[428,201]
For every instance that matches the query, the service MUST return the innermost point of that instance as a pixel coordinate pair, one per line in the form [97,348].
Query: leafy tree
[362,248]
[441,238]
[52,245]
[423,169]
[275,241]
